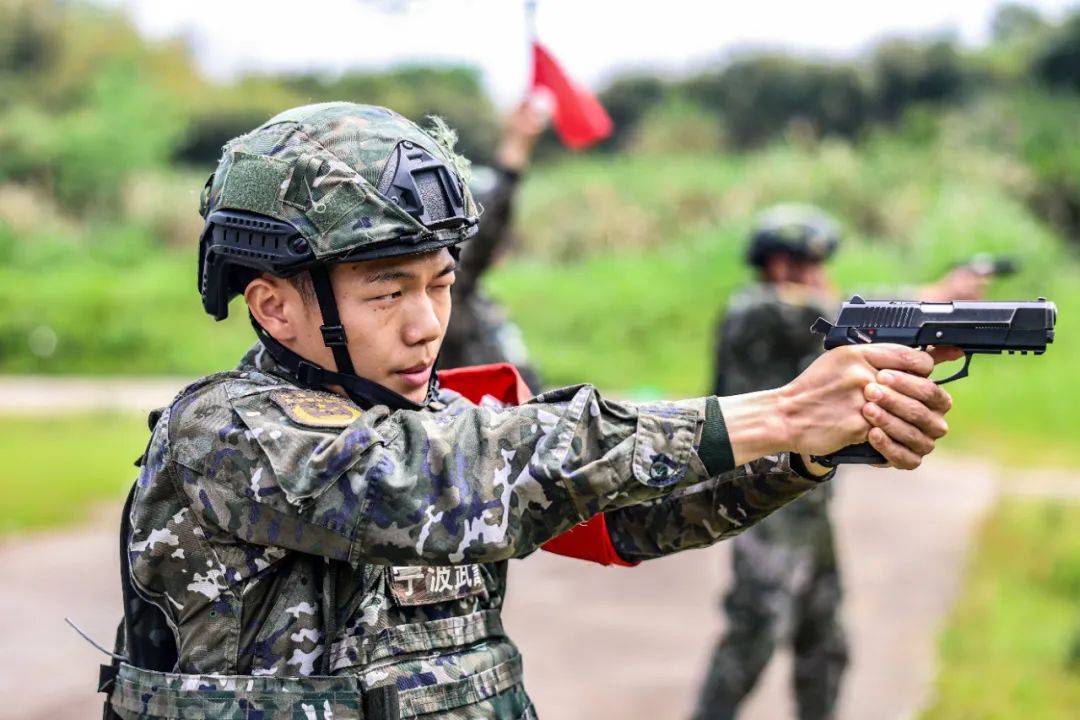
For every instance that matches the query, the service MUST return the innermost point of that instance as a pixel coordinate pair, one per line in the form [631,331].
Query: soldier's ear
[276,305]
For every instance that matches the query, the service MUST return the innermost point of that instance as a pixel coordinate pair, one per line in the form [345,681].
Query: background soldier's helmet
[333,182]
[323,184]
[803,231]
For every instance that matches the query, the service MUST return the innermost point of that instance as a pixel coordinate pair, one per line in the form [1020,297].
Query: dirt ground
[598,642]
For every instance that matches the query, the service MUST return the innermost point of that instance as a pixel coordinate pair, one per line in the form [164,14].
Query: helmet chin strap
[362,391]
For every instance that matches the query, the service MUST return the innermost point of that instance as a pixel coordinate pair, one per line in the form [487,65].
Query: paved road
[40,395]
[598,642]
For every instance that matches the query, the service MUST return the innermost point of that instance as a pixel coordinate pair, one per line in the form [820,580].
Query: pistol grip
[862,454]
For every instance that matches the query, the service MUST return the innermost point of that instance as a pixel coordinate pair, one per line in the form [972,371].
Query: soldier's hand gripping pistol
[974,327]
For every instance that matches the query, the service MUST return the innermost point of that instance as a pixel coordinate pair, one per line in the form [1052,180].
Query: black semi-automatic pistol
[974,327]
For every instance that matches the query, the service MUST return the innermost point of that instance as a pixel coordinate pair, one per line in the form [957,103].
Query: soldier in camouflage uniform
[480,332]
[786,586]
[313,543]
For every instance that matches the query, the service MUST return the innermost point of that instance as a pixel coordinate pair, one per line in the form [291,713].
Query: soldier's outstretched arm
[484,485]
[430,488]
[710,511]
[703,513]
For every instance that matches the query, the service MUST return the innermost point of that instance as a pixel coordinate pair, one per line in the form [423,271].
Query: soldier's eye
[389,296]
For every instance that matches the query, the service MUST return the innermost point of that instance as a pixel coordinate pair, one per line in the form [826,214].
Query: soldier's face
[811,273]
[784,268]
[394,311]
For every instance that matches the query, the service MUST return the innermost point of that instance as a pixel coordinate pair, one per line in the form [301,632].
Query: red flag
[578,117]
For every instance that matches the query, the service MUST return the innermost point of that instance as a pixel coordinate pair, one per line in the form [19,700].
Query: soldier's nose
[423,324]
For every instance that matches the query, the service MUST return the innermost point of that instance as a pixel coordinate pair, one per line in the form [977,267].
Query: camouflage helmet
[322,184]
[804,231]
[342,182]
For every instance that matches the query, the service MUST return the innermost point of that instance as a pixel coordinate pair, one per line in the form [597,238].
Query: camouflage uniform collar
[258,358]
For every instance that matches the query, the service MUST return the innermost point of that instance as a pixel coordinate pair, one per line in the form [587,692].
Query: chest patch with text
[423,585]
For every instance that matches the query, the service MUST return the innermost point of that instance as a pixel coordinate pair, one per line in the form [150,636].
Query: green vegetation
[55,467]
[928,152]
[1012,647]
[642,320]
[624,291]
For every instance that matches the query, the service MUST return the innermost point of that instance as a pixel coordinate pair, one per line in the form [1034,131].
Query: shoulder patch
[316,409]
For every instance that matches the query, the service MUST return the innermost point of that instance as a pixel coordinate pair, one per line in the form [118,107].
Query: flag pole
[530,38]
[530,21]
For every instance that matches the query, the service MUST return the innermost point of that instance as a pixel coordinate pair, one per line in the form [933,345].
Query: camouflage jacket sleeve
[407,487]
[702,514]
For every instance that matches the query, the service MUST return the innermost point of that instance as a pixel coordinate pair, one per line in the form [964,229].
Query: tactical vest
[440,650]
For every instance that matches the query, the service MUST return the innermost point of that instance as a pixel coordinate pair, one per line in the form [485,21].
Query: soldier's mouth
[415,376]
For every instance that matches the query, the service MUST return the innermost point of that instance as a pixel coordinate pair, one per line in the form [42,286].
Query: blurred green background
[927,150]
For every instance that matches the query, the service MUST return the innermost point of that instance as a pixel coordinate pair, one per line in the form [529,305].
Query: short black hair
[301,281]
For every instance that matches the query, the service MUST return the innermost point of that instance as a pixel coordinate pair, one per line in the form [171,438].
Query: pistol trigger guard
[961,373]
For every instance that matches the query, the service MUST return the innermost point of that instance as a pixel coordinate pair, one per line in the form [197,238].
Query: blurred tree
[27,37]
[676,128]
[1058,63]
[28,46]
[84,154]
[453,93]
[906,72]
[627,99]
[761,97]
[1014,20]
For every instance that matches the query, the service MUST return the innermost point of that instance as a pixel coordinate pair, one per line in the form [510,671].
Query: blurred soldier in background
[480,332]
[786,586]
[786,583]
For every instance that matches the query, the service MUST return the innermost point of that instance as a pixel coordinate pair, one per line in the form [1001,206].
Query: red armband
[588,541]
[499,380]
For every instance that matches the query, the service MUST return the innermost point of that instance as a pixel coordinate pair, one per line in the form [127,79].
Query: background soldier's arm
[478,254]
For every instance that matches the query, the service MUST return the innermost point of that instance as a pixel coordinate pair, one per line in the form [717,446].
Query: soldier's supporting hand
[876,393]
[960,283]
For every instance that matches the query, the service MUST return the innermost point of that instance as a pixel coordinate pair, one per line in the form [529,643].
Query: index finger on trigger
[887,356]
[944,353]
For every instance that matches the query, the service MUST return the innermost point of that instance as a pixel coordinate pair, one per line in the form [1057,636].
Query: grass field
[643,321]
[1012,646]
[55,468]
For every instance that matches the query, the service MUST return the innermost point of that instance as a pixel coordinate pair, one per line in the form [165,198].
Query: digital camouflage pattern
[786,584]
[248,524]
[317,167]
[142,694]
